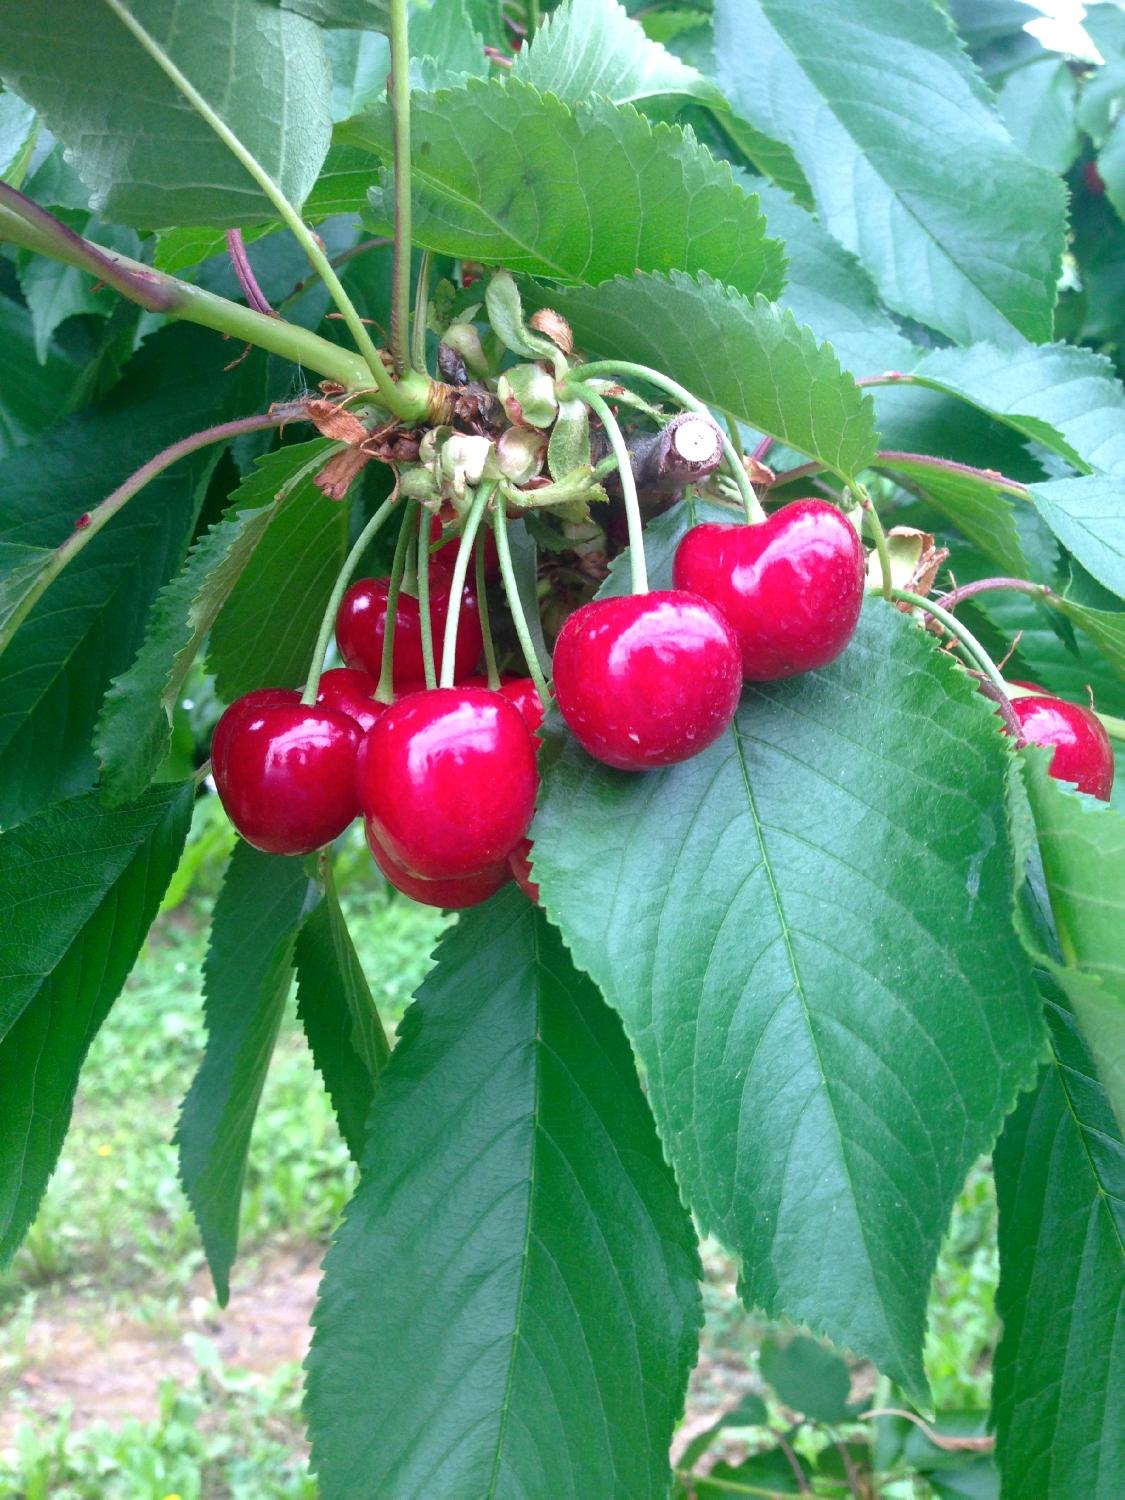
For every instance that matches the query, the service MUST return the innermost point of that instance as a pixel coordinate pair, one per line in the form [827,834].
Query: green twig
[425,621]
[472,522]
[327,624]
[400,116]
[515,604]
[879,536]
[421,309]
[485,620]
[973,648]
[638,571]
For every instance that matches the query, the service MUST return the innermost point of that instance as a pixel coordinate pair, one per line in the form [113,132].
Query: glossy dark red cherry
[352,692]
[447,781]
[519,862]
[361,622]
[1083,753]
[286,774]
[791,587]
[647,680]
[525,695]
[249,703]
[446,555]
[454,893]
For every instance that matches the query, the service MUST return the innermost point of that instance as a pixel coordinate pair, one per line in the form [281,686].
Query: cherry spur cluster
[444,773]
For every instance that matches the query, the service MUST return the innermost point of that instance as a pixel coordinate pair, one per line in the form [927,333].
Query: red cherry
[525,695]
[647,680]
[792,587]
[286,773]
[1095,182]
[454,893]
[446,555]
[361,622]
[447,781]
[249,703]
[1083,753]
[519,862]
[353,693]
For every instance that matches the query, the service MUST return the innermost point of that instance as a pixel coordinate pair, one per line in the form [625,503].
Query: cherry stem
[421,310]
[385,692]
[400,119]
[255,297]
[802,471]
[485,620]
[427,624]
[889,458]
[515,604]
[879,536]
[988,585]
[638,572]
[328,623]
[972,647]
[471,526]
[609,367]
[1112,725]
[88,526]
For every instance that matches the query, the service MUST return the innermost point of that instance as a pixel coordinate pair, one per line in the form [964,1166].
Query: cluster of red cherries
[446,778]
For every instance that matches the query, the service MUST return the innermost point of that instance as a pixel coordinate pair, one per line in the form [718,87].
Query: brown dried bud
[555,326]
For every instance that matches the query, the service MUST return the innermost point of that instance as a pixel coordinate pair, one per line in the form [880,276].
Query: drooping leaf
[1088,517]
[79,887]
[336,1008]
[266,630]
[33,392]
[904,165]
[807,930]
[1082,845]
[88,625]
[1106,628]
[507,176]
[589,47]
[147,156]
[246,979]
[746,359]
[1038,106]
[547,1349]
[360,62]
[1059,1372]
[134,730]
[977,503]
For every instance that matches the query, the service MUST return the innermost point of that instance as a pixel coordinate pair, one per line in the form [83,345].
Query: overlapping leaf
[147,157]
[508,176]
[79,887]
[978,503]
[33,392]
[1038,106]
[246,980]
[903,148]
[807,931]
[547,1348]
[747,359]
[1088,517]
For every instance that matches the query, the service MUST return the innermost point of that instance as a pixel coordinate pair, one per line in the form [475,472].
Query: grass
[114,1246]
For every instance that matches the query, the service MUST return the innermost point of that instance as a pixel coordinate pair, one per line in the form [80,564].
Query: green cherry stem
[421,311]
[426,623]
[637,570]
[351,562]
[973,649]
[609,367]
[400,119]
[485,620]
[515,604]
[385,692]
[484,494]
[879,536]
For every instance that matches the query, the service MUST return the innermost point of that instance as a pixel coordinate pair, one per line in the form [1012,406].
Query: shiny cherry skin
[361,622]
[519,862]
[446,555]
[352,692]
[1082,750]
[447,781]
[791,587]
[249,703]
[286,774]
[525,695]
[455,893]
[648,679]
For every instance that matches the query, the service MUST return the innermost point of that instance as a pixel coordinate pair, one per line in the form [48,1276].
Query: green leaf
[89,624]
[808,1378]
[903,165]
[147,157]
[246,980]
[18,130]
[134,731]
[746,359]
[589,47]
[1111,163]
[1104,627]
[1088,517]
[444,47]
[33,392]
[79,887]
[1082,845]
[336,1008]
[1038,105]
[21,570]
[807,930]
[360,62]
[507,176]
[54,292]
[751,1411]
[546,1351]
[977,503]
[365,14]
[1066,398]
[1059,1379]
[267,628]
